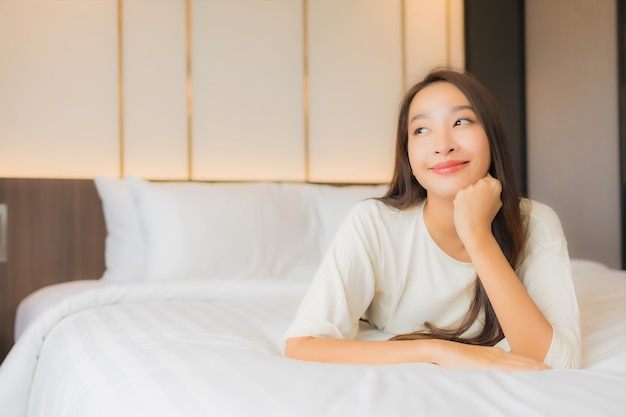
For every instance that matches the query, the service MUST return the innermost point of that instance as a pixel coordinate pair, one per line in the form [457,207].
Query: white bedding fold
[215,348]
[18,369]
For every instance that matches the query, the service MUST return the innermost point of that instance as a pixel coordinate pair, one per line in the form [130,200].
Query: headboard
[55,233]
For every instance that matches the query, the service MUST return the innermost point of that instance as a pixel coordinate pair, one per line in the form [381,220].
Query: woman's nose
[444,143]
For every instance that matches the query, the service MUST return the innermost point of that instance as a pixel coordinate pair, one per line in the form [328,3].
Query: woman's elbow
[293,346]
[565,353]
[570,359]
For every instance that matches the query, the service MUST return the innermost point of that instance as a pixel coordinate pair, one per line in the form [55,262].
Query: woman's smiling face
[447,145]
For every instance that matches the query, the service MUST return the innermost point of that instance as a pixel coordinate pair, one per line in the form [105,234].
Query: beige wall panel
[434,36]
[155,99]
[572,113]
[355,75]
[58,89]
[248,116]
[426,37]
[456,34]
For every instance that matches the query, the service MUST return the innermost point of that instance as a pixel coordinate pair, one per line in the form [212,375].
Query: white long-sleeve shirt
[384,264]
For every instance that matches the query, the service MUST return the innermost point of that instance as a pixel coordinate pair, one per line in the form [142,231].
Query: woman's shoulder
[537,210]
[374,213]
[378,208]
[541,219]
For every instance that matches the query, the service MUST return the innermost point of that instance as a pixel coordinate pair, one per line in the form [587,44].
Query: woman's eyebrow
[454,109]
[461,107]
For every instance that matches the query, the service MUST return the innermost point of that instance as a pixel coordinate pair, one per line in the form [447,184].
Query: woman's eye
[462,122]
[420,130]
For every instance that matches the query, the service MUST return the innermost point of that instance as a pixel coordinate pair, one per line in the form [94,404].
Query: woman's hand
[461,356]
[475,208]
[441,352]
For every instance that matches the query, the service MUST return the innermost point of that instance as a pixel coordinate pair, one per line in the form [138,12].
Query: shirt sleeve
[344,284]
[546,274]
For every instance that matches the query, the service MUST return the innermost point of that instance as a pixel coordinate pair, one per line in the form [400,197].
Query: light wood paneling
[362,55]
[426,37]
[287,90]
[58,88]
[155,76]
[247,90]
[355,78]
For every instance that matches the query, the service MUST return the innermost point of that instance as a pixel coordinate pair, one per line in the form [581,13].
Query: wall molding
[495,54]
[621,47]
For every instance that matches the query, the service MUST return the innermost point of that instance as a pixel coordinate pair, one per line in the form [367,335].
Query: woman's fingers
[475,207]
[487,357]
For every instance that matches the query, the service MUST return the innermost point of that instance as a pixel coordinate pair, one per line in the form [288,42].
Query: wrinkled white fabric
[215,348]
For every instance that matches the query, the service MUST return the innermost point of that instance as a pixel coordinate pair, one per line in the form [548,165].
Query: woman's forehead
[437,99]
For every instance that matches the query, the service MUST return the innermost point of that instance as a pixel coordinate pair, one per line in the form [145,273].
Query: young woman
[451,262]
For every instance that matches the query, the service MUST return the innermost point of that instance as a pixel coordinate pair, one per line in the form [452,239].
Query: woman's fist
[475,208]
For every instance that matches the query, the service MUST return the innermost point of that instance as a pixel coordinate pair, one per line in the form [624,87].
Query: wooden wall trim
[621,56]
[55,233]
[495,54]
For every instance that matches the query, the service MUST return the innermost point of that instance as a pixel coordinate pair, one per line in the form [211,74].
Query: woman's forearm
[527,330]
[360,352]
[441,352]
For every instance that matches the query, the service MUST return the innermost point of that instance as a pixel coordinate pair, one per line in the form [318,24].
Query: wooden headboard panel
[55,233]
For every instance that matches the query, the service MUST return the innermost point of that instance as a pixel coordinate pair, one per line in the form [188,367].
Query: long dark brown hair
[508,226]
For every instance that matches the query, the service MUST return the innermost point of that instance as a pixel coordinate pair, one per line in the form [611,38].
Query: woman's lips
[448,167]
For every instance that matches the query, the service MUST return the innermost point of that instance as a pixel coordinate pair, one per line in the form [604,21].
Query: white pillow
[221,230]
[334,202]
[278,230]
[124,248]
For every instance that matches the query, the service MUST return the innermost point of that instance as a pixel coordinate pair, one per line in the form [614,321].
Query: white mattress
[215,348]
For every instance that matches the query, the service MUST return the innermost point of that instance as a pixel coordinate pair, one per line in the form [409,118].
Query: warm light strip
[305,88]
[189,92]
[403,44]
[448,33]
[120,84]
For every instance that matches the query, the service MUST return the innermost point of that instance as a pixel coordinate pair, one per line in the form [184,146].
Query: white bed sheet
[36,303]
[215,348]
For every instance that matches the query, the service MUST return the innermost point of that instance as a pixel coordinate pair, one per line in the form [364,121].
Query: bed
[202,281]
